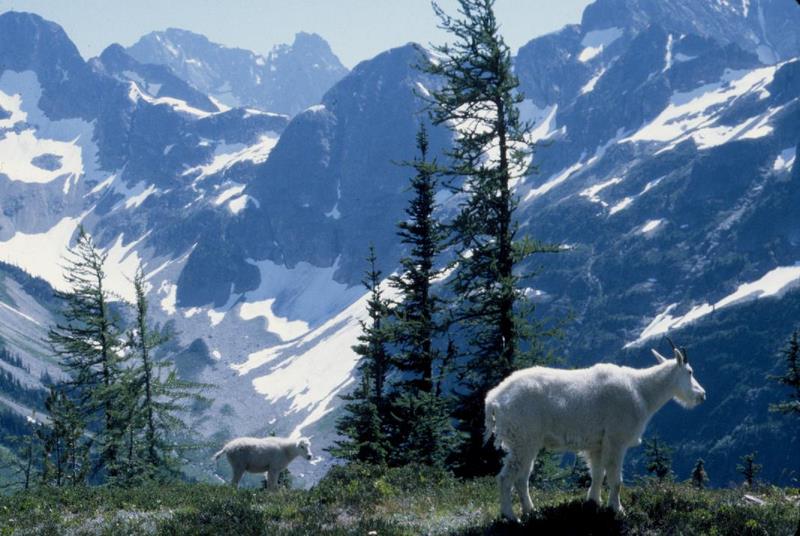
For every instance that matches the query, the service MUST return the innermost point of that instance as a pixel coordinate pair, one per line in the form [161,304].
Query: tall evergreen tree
[421,426]
[363,432]
[790,378]
[158,396]
[479,101]
[88,344]
[363,425]
[415,313]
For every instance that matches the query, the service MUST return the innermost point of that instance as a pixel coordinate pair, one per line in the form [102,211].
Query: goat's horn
[674,348]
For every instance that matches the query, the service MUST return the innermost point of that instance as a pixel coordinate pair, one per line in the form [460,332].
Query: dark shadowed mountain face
[667,168]
[288,80]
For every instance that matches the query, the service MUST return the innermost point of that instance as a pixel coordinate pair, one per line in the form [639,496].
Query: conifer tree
[88,344]
[699,475]
[158,396]
[363,425]
[658,458]
[421,426]
[64,442]
[790,378]
[363,432]
[479,101]
[415,314]
[749,469]
[23,462]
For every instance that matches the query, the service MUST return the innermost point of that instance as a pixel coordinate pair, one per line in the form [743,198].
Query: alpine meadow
[535,271]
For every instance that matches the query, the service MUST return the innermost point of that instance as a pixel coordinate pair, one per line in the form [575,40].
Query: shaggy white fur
[599,411]
[269,455]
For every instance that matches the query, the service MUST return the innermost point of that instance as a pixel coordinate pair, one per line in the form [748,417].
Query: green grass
[409,501]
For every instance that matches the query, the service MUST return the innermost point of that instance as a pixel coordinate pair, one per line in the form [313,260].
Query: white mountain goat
[599,411]
[269,455]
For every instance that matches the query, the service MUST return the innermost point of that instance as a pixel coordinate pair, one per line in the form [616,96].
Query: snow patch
[170,293]
[318,366]
[334,212]
[304,292]
[69,141]
[240,203]
[138,195]
[121,265]
[650,226]
[694,114]
[215,317]
[591,192]
[589,86]
[785,160]
[543,119]
[41,254]
[596,41]
[229,193]
[774,283]
[226,156]
[135,94]
[284,328]
[622,205]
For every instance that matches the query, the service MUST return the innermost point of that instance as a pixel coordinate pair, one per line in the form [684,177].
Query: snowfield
[41,151]
[695,114]
[772,284]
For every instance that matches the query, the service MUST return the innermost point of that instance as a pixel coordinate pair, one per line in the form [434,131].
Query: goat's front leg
[614,474]
[596,467]
[272,478]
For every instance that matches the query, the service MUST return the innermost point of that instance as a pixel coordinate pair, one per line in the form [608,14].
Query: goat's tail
[216,456]
[490,408]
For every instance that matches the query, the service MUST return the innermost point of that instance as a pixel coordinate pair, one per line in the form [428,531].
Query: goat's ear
[659,357]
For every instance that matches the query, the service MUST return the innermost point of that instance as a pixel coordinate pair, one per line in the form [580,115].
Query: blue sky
[356,29]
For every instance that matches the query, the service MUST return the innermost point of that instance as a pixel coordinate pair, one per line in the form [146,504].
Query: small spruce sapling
[749,469]
[699,475]
[658,458]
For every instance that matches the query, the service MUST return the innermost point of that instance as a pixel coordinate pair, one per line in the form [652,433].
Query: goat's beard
[688,404]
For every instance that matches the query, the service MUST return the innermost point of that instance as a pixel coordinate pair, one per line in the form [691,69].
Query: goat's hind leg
[523,478]
[506,478]
[237,475]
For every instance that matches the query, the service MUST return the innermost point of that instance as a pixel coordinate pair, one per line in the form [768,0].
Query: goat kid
[599,412]
[269,455]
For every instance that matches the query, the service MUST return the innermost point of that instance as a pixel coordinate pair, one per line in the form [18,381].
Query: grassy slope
[407,501]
